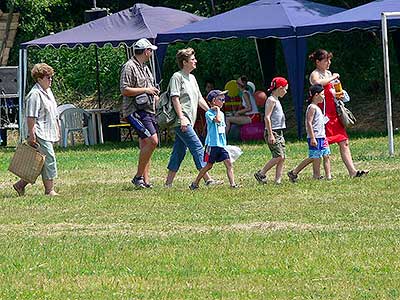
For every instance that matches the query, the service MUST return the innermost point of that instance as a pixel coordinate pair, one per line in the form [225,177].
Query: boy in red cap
[274,125]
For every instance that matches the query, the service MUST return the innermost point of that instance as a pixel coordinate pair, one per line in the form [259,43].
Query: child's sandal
[361,173]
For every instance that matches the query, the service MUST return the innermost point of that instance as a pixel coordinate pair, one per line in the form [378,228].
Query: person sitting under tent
[249,113]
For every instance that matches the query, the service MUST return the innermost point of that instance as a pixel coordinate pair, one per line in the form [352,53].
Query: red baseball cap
[278,82]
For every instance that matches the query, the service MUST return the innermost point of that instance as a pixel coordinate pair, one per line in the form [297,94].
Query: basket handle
[36,146]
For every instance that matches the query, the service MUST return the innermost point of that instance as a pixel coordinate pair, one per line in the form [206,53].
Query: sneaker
[293,177]
[235,186]
[193,186]
[211,182]
[260,177]
[138,182]
[148,185]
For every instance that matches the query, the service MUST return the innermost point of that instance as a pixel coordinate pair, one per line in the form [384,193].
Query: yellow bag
[27,162]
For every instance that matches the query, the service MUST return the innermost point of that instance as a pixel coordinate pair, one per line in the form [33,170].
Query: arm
[218,116]
[269,106]
[132,92]
[247,106]
[178,109]
[31,121]
[203,104]
[314,78]
[128,82]
[310,131]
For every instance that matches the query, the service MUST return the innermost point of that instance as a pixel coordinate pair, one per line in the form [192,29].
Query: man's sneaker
[193,186]
[211,182]
[260,177]
[292,177]
[138,182]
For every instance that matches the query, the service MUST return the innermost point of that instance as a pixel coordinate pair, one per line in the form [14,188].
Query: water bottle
[135,122]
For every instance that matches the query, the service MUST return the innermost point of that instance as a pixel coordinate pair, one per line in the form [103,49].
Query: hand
[184,124]
[237,114]
[271,139]
[32,140]
[152,91]
[335,75]
[313,142]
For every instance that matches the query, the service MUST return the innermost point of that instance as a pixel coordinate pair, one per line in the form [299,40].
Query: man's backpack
[165,111]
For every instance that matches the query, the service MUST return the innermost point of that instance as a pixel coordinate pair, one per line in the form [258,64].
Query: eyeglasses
[222,99]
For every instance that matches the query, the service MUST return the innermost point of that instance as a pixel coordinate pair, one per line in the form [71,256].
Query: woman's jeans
[184,140]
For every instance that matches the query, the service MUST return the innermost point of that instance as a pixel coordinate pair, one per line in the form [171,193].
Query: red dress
[335,132]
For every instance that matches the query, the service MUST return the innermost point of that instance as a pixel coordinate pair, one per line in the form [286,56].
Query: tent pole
[259,62]
[153,67]
[97,75]
[387,83]
[22,66]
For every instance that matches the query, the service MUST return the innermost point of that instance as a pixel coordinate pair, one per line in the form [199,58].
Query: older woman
[249,113]
[186,97]
[335,132]
[42,124]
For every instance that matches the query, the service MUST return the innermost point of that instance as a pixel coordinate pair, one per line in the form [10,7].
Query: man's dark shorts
[149,121]
[215,154]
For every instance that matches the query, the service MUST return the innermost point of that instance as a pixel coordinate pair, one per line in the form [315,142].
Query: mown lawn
[102,239]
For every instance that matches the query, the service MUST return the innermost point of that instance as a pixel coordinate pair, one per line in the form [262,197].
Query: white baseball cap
[144,44]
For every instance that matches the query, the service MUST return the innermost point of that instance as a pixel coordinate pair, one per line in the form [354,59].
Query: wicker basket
[27,162]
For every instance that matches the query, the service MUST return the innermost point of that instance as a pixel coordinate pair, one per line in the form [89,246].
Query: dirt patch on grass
[71,229]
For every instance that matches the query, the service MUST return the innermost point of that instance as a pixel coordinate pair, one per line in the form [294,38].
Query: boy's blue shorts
[214,154]
[322,148]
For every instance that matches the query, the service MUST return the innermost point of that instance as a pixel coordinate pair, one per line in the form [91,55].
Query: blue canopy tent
[367,16]
[259,20]
[122,28]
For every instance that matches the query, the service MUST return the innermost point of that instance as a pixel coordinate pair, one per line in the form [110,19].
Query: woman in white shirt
[42,125]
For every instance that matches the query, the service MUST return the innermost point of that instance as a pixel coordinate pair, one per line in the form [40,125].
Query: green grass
[101,239]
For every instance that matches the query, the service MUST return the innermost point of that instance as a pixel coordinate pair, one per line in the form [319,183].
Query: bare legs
[208,167]
[278,162]
[147,147]
[171,177]
[49,187]
[345,153]
[202,173]
[229,172]
[20,185]
[316,167]
[239,120]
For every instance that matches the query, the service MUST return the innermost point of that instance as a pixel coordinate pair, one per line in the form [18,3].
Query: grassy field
[101,239]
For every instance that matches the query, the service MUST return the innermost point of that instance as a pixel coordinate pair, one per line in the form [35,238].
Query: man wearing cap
[139,99]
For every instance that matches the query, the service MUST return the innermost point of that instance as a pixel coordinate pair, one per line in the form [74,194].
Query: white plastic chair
[72,119]
[63,107]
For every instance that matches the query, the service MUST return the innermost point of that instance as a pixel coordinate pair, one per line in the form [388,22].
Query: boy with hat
[274,125]
[215,139]
[318,146]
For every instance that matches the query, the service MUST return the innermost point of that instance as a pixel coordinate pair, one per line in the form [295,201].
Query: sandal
[361,173]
